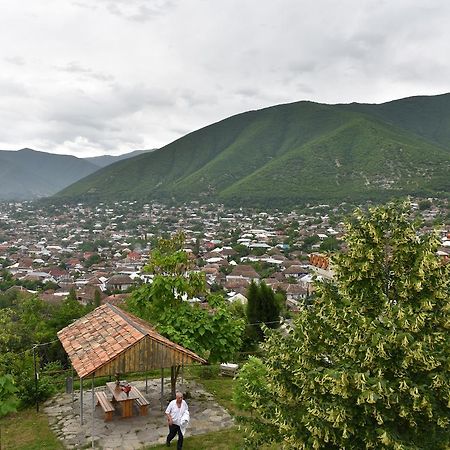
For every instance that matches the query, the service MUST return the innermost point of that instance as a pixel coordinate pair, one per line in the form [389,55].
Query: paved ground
[136,432]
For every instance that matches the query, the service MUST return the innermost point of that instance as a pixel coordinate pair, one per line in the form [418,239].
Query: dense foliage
[212,332]
[8,401]
[368,365]
[263,307]
[25,326]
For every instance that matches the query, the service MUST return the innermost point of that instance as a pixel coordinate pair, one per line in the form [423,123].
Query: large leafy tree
[368,365]
[173,277]
[214,333]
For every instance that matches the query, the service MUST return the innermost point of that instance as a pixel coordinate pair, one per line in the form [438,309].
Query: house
[294,271]
[321,265]
[295,292]
[119,283]
[237,285]
[243,271]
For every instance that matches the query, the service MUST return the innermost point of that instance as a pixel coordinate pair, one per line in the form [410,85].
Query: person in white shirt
[177,413]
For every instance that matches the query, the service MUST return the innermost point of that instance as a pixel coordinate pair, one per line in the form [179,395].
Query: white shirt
[175,412]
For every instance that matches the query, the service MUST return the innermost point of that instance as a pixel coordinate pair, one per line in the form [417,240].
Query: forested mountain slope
[293,153]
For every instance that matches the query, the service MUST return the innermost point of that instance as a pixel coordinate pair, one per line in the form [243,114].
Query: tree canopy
[367,365]
[213,332]
[262,308]
[28,321]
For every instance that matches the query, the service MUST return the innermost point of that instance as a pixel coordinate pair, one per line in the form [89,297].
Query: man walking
[177,413]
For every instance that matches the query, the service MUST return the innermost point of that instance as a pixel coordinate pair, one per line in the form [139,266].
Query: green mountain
[27,174]
[428,117]
[293,153]
[106,160]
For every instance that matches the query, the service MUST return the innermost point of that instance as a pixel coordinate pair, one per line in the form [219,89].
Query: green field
[27,430]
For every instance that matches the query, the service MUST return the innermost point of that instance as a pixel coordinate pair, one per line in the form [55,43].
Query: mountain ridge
[294,153]
[27,174]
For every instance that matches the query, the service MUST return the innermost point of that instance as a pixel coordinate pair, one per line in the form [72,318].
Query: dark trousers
[173,430]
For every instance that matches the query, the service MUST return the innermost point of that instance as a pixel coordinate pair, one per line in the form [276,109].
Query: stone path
[135,432]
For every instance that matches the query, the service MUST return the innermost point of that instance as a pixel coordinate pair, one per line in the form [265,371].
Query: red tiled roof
[116,299]
[104,334]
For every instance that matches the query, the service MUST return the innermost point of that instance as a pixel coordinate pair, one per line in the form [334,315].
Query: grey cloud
[75,67]
[248,92]
[303,66]
[436,70]
[12,88]
[180,131]
[139,96]
[141,73]
[134,10]
[102,118]
[304,88]
[194,99]
[16,60]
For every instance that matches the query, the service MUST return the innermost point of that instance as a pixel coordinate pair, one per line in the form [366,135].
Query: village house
[244,272]
[119,283]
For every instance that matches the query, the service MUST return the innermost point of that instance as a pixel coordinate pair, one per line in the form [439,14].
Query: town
[99,252]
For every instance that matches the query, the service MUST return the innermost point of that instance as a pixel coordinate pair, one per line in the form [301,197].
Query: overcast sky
[89,77]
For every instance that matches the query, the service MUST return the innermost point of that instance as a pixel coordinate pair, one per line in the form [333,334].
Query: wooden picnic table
[126,401]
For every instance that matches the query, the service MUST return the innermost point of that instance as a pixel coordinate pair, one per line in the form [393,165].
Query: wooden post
[93,411]
[146,364]
[81,401]
[162,387]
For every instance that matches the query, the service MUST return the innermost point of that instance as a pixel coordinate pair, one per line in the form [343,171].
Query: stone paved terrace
[136,432]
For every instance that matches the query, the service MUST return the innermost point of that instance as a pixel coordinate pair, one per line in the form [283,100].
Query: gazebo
[108,341]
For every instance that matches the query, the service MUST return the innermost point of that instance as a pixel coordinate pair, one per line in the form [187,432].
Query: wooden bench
[141,402]
[106,405]
[228,369]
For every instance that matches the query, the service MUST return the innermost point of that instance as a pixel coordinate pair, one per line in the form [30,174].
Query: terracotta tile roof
[107,332]
[116,299]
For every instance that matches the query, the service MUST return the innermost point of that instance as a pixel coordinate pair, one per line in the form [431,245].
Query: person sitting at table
[177,413]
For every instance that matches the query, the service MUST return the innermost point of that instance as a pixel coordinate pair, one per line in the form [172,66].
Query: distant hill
[106,160]
[27,174]
[294,153]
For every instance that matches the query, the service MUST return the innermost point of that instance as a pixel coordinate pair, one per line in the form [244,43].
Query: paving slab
[136,432]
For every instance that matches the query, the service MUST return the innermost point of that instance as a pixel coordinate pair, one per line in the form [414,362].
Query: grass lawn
[27,430]
[230,439]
